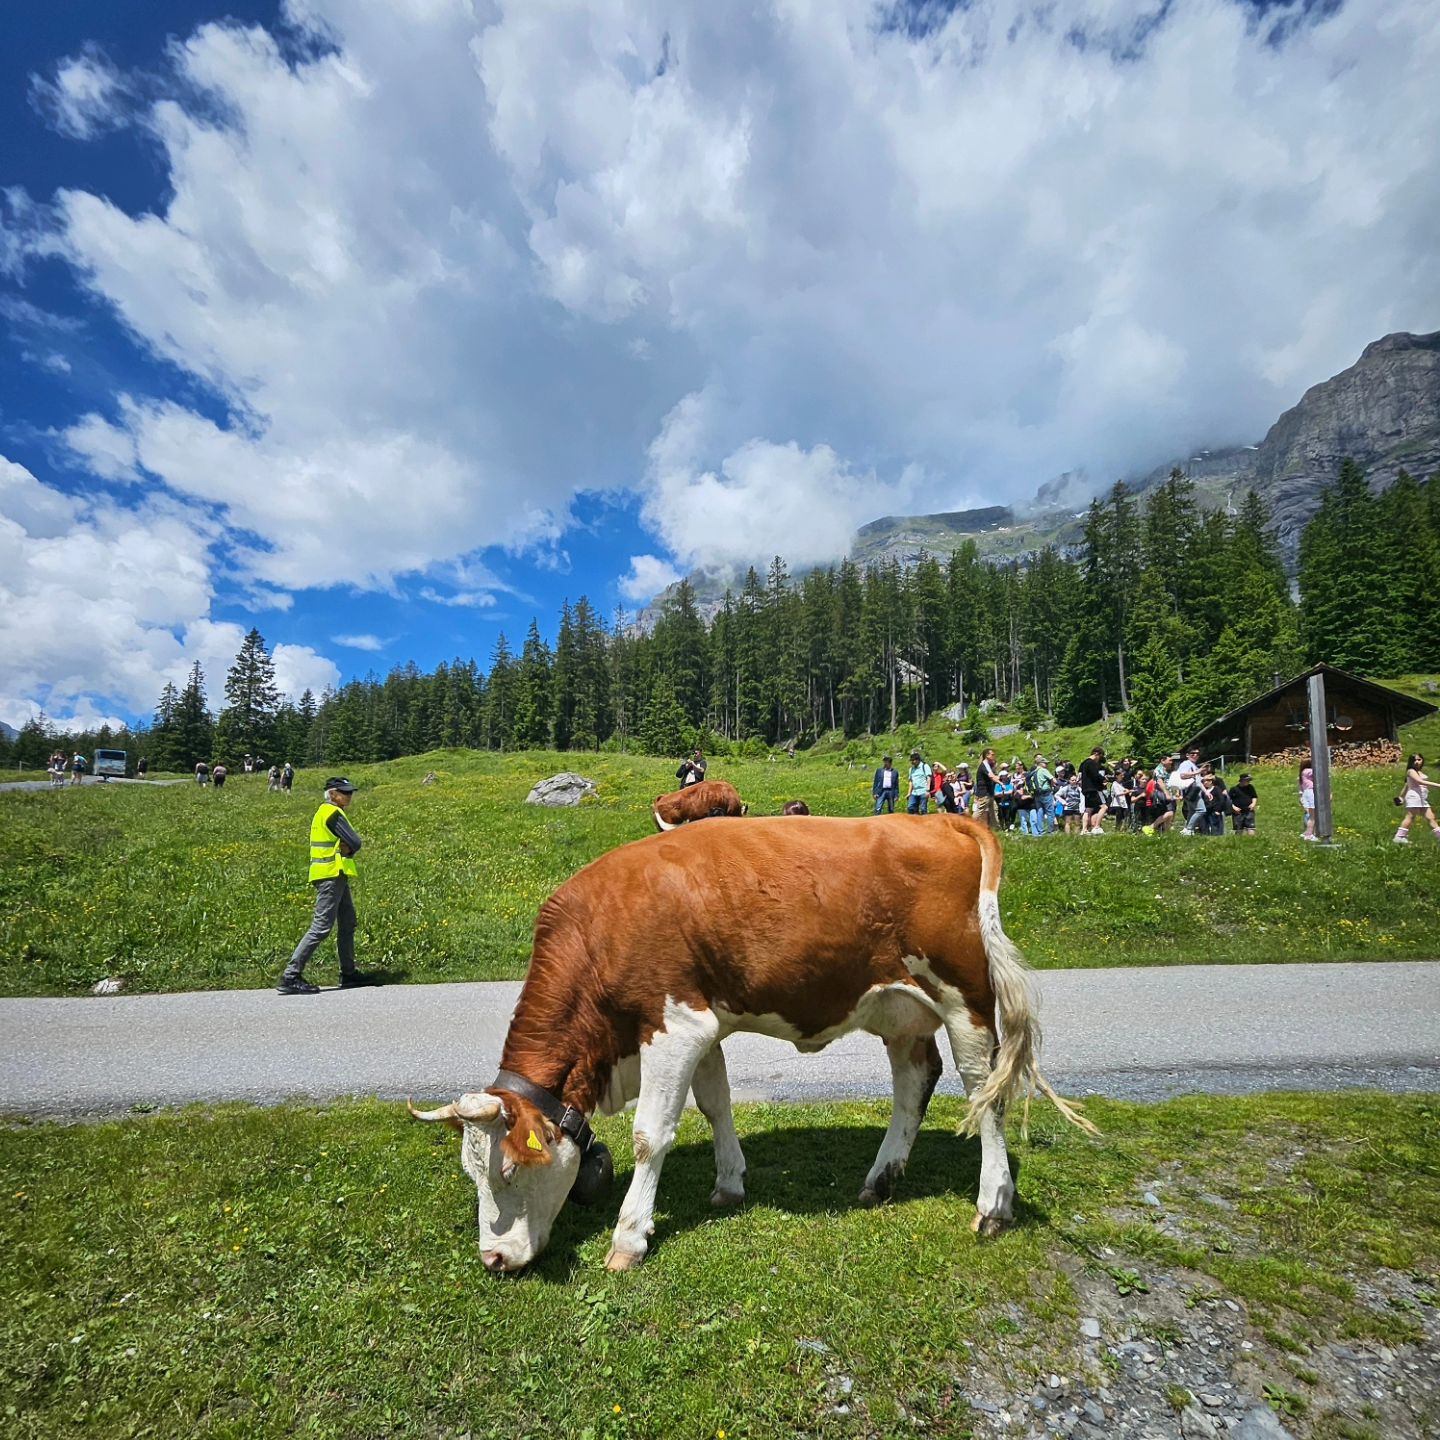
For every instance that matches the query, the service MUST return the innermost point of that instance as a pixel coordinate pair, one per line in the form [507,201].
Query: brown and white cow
[803,928]
[697,802]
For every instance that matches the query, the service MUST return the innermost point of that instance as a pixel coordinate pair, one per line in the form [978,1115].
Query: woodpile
[1355,756]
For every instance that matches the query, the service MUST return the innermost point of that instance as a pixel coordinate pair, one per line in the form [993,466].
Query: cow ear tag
[533,1142]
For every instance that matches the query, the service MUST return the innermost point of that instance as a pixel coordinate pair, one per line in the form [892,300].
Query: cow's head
[523,1168]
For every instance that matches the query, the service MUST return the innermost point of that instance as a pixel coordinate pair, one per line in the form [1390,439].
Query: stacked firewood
[1354,756]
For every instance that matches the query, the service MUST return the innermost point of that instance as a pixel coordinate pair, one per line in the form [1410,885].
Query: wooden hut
[1359,711]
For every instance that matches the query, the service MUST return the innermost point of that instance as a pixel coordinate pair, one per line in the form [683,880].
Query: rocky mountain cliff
[1384,411]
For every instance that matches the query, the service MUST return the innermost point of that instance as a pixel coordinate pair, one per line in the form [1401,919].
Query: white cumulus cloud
[85,96]
[647,576]
[101,604]
[359,642]
[776,269]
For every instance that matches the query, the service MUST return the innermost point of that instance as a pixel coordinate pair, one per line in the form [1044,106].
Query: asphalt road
[1136,1034]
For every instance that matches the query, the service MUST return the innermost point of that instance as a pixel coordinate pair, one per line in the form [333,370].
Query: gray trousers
[332,903]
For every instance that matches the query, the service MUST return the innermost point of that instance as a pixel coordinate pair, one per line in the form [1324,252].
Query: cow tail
[1015,1068]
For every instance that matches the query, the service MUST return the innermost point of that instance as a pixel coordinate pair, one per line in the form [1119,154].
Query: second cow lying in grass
[697,802]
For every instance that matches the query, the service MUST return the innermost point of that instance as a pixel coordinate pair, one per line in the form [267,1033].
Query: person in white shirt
[886,786]
[1183,777]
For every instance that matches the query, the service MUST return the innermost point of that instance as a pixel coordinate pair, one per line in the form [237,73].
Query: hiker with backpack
[1041,782]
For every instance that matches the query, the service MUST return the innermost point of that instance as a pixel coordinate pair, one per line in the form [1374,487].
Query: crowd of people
[58,764]
[281,778]
[1036,798]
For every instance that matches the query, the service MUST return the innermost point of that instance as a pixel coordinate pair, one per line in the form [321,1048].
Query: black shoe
[356,978]
[298,986]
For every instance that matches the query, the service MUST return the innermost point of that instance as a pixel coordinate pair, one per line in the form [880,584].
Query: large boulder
[567,788]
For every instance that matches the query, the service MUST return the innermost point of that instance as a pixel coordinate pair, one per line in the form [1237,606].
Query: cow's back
[792,916]
[698,802]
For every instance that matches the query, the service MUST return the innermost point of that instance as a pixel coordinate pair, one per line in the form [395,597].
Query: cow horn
[478,1108]
[445,1113]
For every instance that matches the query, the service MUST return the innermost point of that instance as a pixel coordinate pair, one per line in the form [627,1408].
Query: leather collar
[571,1122]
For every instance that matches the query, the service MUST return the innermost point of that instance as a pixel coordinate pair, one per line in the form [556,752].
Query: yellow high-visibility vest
[326,861]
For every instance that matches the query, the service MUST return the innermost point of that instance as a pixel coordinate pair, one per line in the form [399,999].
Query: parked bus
[108,763]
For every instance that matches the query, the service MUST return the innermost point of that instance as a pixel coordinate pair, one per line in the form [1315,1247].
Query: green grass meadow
[234,1272]
[178,888]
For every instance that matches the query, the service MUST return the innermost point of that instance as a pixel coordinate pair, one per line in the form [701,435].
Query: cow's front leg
[914,1071]
[973,1043]
[667,1068]
[712,1094]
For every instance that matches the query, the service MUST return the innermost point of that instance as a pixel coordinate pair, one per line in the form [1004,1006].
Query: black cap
[339,782]
[914,754]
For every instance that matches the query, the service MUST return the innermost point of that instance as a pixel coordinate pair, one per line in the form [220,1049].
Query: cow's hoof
[724,1199]
[622,1260]
[987,1226]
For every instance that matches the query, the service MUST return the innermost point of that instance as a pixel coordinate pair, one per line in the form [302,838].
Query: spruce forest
[1168,613]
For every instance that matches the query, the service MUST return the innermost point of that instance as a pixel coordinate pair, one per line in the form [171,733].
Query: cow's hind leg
[668,1062]
[973,1042]
[712,1094]
[915,1070]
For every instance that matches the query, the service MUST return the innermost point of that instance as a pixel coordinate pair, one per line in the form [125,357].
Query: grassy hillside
[177,888]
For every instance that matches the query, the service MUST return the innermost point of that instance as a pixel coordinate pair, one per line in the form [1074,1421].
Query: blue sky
[384,327]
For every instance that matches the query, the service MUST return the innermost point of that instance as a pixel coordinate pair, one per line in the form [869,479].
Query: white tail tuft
[1015,1070]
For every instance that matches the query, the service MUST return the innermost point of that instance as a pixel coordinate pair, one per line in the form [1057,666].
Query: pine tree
[1347,579]
[975,732]
[664,728]
[531,728]
[34,743]
[1027,709]
[247,723]
[194,730]
[163,738]
[501,696]
[1412,547]
[1163,712]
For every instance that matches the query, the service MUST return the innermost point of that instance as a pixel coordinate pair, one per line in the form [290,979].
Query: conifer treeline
[1168,612]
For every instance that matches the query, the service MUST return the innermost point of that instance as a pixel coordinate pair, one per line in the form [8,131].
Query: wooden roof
[1337,682]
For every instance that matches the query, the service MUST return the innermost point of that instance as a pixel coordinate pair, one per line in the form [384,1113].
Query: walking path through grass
[1136,1034]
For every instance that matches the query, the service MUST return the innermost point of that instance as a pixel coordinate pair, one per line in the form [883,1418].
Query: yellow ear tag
[533,1143]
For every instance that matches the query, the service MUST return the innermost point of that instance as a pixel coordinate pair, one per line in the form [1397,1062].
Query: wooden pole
[1320,758]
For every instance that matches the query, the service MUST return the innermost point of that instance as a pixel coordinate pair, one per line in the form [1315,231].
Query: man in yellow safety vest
[333,847]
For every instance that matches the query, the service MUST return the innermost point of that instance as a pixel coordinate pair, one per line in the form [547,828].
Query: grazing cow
[697,802]
[795,807]
[648,958]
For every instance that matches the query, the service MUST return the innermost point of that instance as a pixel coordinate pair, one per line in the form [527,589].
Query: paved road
[1140,1034]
